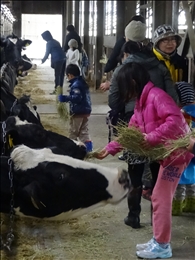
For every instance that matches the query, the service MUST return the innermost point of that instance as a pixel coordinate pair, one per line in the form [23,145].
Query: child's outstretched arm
[102,154]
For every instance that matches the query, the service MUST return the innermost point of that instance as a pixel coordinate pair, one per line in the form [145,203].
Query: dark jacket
[113,59]
[180,64]
[53,47]
[72,35]
[159,75]
[79,98]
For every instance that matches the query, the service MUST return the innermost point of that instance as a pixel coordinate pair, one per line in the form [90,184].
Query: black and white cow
[57,187]
[12,62]
[16,132]
[22,107]
[12,50]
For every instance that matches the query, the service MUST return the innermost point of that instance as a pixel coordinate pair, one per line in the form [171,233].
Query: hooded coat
[159,75]
[72,35]
[53,47]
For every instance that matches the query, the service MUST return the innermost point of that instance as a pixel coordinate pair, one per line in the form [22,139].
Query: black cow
[19,107]
[58,187]
[15,132]
[12,48]
[8,78]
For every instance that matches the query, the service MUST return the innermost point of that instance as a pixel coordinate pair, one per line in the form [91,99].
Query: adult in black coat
[72,34]
[114,57]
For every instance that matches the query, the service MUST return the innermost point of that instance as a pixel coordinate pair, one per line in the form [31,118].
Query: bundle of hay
[62,106]
[132,141]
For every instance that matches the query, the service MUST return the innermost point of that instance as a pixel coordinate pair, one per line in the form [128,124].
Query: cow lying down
[58,187]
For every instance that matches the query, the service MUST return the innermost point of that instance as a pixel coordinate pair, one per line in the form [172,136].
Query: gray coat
[159,75]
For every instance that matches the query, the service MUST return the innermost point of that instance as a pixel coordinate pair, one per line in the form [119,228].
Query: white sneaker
[140,247]
[154,251]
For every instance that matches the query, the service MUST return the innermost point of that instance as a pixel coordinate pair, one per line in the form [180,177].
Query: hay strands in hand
[132,140]
[62,106]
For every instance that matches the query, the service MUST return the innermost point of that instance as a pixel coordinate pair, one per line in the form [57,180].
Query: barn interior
[102,234]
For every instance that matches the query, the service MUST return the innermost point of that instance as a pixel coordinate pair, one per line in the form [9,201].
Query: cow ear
[33,192]
[26,43]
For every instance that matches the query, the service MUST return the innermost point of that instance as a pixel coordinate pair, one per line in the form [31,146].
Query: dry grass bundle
[62,106]
[92,155]
[132,140]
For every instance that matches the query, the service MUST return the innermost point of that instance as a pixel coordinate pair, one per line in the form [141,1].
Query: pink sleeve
[113,148]
[132,121]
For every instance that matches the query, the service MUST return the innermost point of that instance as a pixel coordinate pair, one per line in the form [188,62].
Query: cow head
[13,48]
[49,185]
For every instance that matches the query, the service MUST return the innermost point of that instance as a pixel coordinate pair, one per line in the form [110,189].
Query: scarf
[176,74]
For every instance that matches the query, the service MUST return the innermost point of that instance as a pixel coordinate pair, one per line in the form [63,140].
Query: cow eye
[61,176]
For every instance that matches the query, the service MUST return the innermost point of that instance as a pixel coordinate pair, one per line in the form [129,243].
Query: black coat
[72,35]
[113,59]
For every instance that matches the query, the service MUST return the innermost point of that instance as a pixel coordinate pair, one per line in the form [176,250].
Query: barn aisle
[100,235]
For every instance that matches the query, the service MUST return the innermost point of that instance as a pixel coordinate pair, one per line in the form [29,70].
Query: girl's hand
[145,143]
[102,154]
[191,144]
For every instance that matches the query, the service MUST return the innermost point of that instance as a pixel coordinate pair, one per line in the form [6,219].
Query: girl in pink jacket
[159,118]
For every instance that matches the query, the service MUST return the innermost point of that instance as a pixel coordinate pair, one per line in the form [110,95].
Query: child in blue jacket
[80,106]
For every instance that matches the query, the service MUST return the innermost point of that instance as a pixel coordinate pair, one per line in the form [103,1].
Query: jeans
[59,70]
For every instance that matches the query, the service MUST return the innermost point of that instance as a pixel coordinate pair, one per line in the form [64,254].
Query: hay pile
[133,141]
[62,108]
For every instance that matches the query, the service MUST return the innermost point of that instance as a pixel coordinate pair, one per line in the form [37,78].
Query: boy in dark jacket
[54,48]
[80,106]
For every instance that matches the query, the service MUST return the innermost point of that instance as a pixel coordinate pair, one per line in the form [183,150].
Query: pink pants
[162,197]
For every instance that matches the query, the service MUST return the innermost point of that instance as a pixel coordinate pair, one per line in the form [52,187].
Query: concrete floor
[102,234]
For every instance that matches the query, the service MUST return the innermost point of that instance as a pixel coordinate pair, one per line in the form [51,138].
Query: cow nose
[124,179]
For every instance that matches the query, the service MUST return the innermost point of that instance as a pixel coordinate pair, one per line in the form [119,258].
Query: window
[110,17]
[93,18]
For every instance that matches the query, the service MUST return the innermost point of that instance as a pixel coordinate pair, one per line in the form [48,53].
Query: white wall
[32,28]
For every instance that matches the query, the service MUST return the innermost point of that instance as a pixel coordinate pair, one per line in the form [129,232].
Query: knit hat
[135,31]
[164,31]
[73,43]
[186,92]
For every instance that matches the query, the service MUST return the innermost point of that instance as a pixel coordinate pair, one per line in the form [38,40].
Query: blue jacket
[53,47]
[79,98]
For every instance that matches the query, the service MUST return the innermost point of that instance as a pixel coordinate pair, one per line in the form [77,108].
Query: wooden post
[99,43]
[190,30]
[76,20]
[17,25]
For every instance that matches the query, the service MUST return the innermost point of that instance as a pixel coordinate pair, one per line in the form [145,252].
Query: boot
[134,200]
[177,207]
[189,205]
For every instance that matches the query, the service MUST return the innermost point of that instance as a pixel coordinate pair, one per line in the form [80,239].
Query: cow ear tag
[27,44]
[10,141]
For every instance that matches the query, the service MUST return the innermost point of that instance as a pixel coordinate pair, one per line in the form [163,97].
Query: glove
[63,98]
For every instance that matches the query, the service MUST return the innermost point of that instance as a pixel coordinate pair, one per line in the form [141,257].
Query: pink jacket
[157,115]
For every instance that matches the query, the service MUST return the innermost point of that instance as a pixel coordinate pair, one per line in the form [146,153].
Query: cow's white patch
[29,105]
[20,122]
[69,214]
[25,158]
[13,40]
[79,143]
